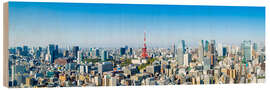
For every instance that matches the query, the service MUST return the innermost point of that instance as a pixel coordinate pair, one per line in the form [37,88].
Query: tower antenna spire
[144,49]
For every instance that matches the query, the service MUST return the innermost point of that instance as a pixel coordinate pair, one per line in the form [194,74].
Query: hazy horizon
[189,44]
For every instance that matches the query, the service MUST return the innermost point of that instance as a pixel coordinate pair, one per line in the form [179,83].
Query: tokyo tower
[144,49]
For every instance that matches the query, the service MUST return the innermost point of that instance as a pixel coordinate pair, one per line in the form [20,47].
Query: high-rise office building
[97,52]
[122,51]
[104,55]
[75,50]
[25,50]
[254,49]
[212,47]
[153,69]
[130,51]
[13,72]
[104,67]
[38,52]
[201,50]
[180,53]
[187,59]
[56,52]
[113,81]
[246,49]
[183,46]
[212,61]
[206,47]
[82,69]
[19,51]
[79,56]
[126,47]
[66,53]
[173,50]
[206,63]
[212,54]
[220,49]
[224,51]
[51,52]
[48,57]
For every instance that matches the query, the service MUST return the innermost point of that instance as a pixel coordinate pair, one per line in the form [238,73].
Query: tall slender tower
[144,49]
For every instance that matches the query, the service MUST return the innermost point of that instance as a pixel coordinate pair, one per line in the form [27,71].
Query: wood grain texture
[5,45]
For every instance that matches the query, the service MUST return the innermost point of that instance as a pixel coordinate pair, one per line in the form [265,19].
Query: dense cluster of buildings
[209,63]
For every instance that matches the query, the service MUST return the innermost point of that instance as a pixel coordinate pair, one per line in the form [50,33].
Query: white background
[265,3]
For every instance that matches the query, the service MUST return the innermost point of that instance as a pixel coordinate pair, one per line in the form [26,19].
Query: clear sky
[115,25]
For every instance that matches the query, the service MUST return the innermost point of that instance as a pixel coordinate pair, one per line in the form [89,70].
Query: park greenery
[149,62]
[95,60]
[125,62]
[91,60]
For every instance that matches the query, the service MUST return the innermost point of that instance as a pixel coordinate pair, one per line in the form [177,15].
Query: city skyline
[89,45]
[176,45]
[114,25]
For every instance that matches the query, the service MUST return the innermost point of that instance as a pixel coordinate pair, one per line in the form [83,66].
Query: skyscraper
[65,53]
[80,56]
[187,59]
[104,55]
[206,47]
[254,49]
[56,51]
[38,52]
[246,49]
[206,63]
[201,50]
[126,47]
[183,46]
[13,72]
[212,53]
[180,53]
[25,50]
[212,47]
[122,51]
[48,57]
[97,52]
[224,51]
[212,61]
[75,50]
[220,49]
[19,51]
[51,53]
[104,67]
[130,52]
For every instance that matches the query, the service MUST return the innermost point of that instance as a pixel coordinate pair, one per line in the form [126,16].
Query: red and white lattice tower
[144,49]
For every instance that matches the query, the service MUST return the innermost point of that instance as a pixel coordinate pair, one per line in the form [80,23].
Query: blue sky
[115,25]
